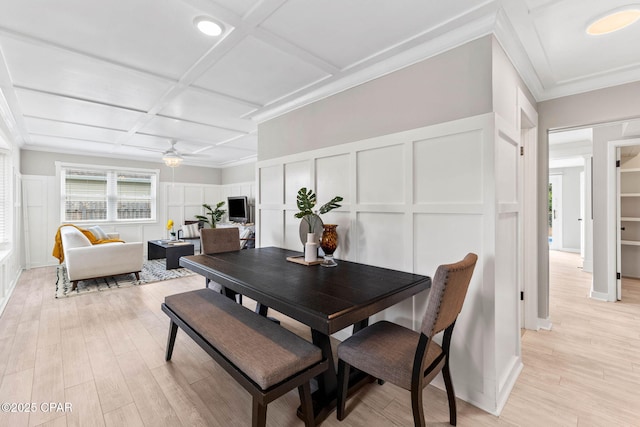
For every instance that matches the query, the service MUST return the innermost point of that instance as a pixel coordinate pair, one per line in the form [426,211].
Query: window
[5,197]
[94,194]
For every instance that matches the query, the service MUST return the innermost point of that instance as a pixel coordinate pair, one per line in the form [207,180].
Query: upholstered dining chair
[407,358]
[217,240]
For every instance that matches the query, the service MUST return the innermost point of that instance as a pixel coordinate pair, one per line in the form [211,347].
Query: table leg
[325,397]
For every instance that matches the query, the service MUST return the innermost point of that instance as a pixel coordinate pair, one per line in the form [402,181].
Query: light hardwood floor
[104,354]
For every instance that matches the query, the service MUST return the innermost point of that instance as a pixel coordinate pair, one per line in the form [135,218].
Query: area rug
[152,271]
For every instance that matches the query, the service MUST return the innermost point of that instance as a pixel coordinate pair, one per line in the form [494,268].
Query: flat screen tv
[238,209]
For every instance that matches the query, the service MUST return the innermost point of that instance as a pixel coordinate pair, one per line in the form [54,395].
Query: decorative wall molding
[414,200]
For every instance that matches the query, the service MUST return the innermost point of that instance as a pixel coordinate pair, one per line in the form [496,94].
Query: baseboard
[12,287]
[571,250]
[510,382]
[545,324]
[600,296]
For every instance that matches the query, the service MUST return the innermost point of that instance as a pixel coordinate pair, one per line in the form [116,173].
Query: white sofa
[86,261]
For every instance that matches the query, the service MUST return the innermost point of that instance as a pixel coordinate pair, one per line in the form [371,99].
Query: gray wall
[239,174]
[600,106]
[43,163]
[453,85]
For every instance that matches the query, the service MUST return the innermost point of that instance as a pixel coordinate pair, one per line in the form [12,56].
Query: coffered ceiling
[123,78]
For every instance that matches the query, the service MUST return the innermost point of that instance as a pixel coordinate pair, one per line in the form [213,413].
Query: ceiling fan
[172,157]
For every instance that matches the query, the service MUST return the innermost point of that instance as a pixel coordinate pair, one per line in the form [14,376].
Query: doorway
[627,215]
[555,212]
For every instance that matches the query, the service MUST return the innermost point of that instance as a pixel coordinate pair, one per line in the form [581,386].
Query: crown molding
[480,23]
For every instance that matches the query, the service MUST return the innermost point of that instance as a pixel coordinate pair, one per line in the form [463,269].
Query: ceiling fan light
[208,26]
[614,21]
[172,160]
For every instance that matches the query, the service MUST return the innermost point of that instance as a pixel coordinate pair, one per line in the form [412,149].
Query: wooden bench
[263,357]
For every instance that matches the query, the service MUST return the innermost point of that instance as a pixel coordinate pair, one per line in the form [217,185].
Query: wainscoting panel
[507,178]
[508,256]
[292,231]
[415,200]
[377,178]
[296,176]
[271,185]
[506,312]
[333,178]
[381,240]
[271,235]
[449,168]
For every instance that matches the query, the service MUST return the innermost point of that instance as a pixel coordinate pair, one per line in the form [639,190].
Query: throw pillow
[98,232]
[190,231]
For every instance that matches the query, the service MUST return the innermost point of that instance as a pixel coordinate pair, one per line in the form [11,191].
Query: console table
[172,251]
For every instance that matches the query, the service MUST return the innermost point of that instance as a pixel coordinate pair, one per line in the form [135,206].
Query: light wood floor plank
[16,389]
[110,347]
[48,382]
[77,369]
[127,416]
[110,383]
[86,406]
[153,405]
[23,350]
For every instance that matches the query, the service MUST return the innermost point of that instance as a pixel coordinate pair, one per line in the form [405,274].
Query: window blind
[5,203]
[107,195]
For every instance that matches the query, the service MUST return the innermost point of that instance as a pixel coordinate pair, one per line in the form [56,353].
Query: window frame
[112,198]
[7,203]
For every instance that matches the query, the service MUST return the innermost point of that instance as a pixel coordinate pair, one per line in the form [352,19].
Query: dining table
[326,300]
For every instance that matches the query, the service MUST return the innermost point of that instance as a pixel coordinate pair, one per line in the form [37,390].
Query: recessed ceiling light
[614,20]
[208,26]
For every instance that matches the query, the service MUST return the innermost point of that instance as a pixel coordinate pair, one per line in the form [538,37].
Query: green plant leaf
[306,200]
[330,205]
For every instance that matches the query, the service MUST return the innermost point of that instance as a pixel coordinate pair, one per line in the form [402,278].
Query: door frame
[527,124]
[612,234]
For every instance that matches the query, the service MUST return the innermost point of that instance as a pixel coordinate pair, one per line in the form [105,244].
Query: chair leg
[451,395]
[343,386]
[307,404]
[416,406]
[259,414]
[171,340]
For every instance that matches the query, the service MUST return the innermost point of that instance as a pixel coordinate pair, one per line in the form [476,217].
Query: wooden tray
[300,260]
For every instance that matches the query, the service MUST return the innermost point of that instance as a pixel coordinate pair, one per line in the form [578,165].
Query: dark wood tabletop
[325,299]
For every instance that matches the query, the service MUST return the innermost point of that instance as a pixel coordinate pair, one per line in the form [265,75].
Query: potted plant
[306,201]
[214,214]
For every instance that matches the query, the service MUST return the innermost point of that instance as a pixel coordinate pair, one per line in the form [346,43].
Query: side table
[172,251]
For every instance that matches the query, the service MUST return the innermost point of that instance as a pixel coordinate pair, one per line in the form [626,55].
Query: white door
[582,219]
[618,231]
[555,212]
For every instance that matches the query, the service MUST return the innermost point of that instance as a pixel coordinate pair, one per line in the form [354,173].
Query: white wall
[11,261]
[414,200]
